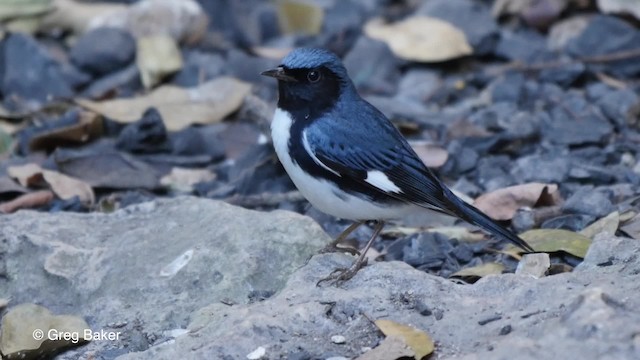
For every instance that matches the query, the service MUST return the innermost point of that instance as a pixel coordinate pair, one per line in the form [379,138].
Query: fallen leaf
[554,240]
[298,16]
[73,15]
[27,201]
[106,168]
[620,7]
[88,127]
[157,57]
[180,107]
[27,175]
[66,187]
[431,155]
[608,224]
[535,265]
[417,340]
[23,16]
[390,348]
[420,38]
[502,204]
[183,179]
[474,273]
[271,52]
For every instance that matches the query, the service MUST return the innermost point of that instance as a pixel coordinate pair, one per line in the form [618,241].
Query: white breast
[323,194]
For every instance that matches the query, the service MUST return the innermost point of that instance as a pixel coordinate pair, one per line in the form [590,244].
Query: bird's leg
[333,246]
[344,274]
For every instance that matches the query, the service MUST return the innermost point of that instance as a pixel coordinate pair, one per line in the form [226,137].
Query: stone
[103,50]
[589,202]
[605,35]
[372,66]
[547,168]
[198,67]
[29,76]
[150,266]
[563,314]
[525,46]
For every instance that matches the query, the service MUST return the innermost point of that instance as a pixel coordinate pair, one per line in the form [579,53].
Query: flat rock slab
[590,313]
[145,269]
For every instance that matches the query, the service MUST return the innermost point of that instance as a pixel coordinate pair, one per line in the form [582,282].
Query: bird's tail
[472,215]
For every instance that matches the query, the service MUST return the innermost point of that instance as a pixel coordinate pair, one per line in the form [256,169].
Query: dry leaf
[420,38]
[66,187]
[553,240]
[271,52]
[299,16]
[157,57]
[390,348]
[503,204]
[27,201]
[8,186]
[608,224]
[88,127]
[183,179]
[474,273]
[620,6]
[180,107]
[417,340]
[431,155]
[534,265]
[74,15]
[27,175]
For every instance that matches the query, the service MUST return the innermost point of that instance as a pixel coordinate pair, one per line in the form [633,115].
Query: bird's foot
[340,275]
[334,248]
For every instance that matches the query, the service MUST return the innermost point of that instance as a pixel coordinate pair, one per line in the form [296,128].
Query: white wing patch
[378,179]
[307,147]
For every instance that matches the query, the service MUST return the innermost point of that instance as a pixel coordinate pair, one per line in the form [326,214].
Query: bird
[349,160]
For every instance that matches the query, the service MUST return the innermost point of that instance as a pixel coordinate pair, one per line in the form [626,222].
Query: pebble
[256,354]
[103,50]
[338,339]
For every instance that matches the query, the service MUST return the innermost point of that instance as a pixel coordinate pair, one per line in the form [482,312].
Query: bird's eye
[313,76]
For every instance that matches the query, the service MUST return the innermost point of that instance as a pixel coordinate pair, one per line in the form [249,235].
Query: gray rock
[605,35]
[621,106]
[589,202]
[29,75]
[584,314]
[372,66]
[145,269]
[525,46]
[548,168]
[103,50]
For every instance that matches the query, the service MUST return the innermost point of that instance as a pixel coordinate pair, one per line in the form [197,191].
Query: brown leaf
[431,155]
[390,348]
[420,38]
[296,16]
[474,273]
[417,340]
[503,204]
[66,187]
[274,53]
[27,201]
[632,227]
[180,107]
[88,127]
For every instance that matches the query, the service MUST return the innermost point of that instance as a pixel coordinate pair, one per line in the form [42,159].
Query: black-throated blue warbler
[348,159]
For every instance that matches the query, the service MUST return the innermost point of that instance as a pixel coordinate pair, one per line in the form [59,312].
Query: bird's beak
[279,74]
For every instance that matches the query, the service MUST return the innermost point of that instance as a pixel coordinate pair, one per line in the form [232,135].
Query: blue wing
[353,152]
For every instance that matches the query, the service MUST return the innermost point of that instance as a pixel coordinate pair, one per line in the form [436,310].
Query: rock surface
[196,278]
[145,269]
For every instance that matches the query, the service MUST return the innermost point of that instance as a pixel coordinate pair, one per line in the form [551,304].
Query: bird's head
[311,79]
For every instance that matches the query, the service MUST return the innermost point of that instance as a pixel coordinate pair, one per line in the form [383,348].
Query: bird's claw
[340,275]
[332,248]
